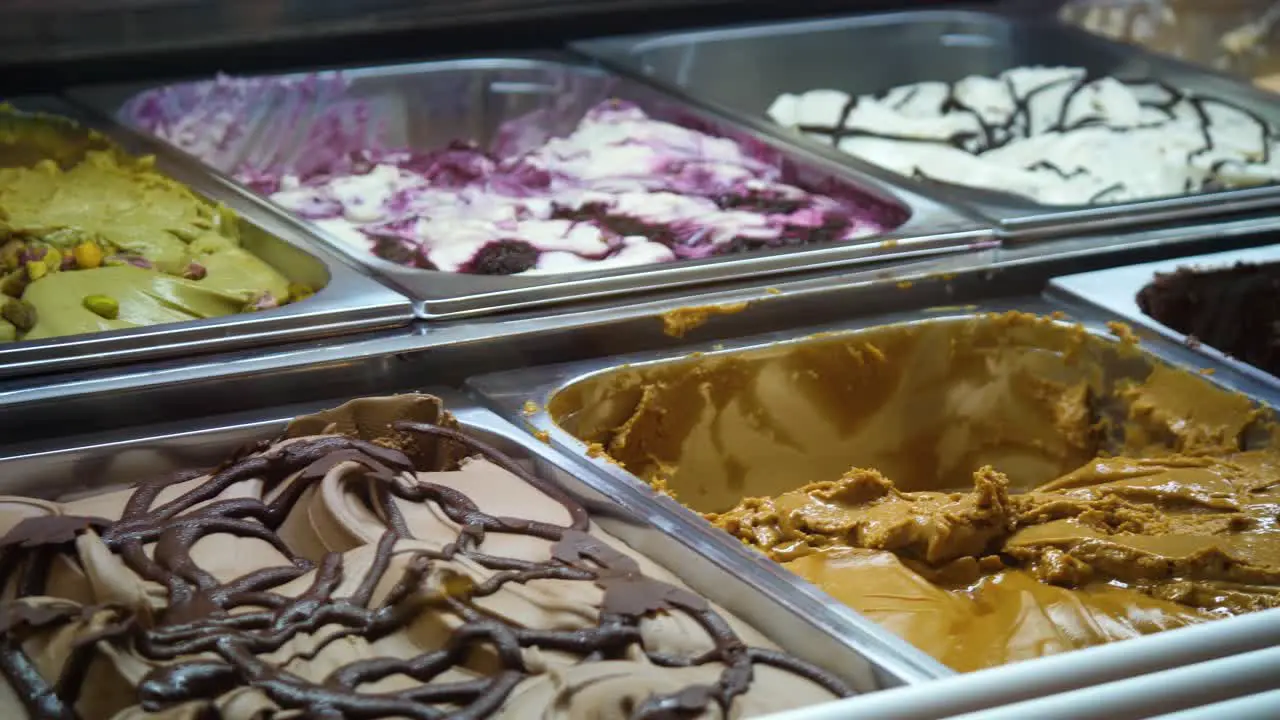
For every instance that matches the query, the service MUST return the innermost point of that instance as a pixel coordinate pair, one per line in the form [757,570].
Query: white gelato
[1049,134]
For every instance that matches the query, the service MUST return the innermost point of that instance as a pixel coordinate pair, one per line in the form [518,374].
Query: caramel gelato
[375,562]
[100,241]
[1019,486]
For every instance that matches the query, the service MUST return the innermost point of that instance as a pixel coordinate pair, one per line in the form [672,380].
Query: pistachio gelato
[375,562]
[105,242]
[991,488]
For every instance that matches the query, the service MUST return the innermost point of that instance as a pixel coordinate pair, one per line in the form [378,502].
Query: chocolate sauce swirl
[211,637]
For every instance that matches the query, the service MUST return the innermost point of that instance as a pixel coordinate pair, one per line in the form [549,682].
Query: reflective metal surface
[1261,706]
[345,300]
[1092,667]
[1162,692]
[1115,290]
[63,466]
[449,352]
[426,105]
[741,70]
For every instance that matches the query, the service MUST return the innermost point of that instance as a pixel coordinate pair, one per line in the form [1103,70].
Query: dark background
[48,44]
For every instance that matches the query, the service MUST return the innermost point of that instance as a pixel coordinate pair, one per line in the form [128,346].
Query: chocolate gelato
[375,562]
[1235,309]
[1018,488]
[103,242]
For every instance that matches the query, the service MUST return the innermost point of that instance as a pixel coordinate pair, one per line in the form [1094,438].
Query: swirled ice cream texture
[622,189]
[1050,134]
[355,570]
[982,487]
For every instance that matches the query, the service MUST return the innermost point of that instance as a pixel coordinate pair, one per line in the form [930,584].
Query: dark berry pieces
[743,244]
[503,257]
[758,201]
[394,250]
[620,225]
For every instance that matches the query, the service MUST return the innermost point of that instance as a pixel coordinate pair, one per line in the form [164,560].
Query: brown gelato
[1020,487]
[374,563]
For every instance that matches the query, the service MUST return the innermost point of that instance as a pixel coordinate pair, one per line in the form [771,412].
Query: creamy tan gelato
[356,569]
[105,243]
[1035,489]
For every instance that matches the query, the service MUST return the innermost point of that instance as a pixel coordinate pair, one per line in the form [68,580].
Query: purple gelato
[621,189]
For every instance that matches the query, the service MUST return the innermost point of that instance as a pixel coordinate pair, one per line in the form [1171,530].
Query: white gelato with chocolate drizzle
[1049,134]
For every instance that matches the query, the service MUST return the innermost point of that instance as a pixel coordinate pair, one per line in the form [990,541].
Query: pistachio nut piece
[21,314]
[102,306]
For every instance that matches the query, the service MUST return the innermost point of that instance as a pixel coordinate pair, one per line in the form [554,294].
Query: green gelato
[108,243]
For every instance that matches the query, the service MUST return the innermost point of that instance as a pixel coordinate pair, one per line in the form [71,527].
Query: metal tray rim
[989,689]
[509,394]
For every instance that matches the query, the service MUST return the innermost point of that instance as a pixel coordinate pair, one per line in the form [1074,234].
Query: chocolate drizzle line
[227,626]
[1018,124]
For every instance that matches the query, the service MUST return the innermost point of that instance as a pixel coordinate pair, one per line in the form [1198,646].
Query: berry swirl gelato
[621,189]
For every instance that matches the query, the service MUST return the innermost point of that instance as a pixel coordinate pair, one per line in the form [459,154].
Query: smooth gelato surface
[1050,134]
[1233,309]
[992,488]
[621,189]
[107,243]
[375,562]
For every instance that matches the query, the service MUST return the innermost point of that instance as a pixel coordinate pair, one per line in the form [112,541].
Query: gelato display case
[543,180]
[641,360]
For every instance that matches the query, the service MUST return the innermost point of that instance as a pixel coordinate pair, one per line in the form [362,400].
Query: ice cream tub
[894,451]
[1219,304]
[991,79]
[470,461]
[110,257]
[487,184]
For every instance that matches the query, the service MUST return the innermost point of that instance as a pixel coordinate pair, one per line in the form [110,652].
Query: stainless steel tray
[346,301]
[1252,707]
[1185,688]
[426,105]
[1115,290]
[741,70]
[1131,681]
[866,660]
[523,396]
[448,352]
